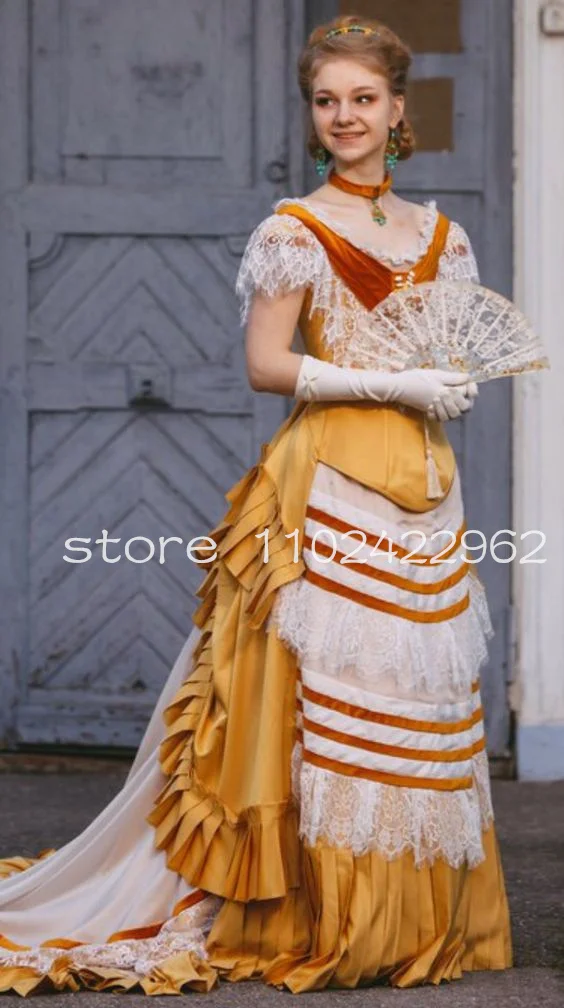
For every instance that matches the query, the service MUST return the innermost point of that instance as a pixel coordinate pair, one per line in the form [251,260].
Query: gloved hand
[417,387]
[438,412]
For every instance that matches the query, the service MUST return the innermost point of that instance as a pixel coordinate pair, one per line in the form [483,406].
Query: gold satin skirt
[360,920]
[319,814]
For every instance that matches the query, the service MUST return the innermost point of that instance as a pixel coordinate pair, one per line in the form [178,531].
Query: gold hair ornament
[362,29]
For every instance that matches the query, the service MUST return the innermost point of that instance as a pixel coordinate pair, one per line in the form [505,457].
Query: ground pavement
[49,803]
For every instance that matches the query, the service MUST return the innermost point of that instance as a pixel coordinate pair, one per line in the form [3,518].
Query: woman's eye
[361,98]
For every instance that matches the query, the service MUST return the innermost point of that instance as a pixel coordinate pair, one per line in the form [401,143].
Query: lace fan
[454,325]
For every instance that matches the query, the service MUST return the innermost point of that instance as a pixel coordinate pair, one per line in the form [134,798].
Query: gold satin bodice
[381,446]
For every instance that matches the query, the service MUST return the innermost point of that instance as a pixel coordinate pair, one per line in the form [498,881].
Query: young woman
[310,804]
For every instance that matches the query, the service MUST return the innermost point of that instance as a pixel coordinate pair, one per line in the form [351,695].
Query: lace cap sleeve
[457,261]
[281,255]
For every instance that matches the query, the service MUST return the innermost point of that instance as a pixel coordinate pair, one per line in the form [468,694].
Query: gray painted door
[471,179]
[136,154]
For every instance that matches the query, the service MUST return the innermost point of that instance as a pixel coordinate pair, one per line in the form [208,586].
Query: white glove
[438,412]
[417,387]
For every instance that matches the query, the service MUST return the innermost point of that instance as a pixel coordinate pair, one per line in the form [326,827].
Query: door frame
[14,44]
[494,410]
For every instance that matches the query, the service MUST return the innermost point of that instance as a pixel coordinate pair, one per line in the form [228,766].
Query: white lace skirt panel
[364,615]
[365,816]
[391,746]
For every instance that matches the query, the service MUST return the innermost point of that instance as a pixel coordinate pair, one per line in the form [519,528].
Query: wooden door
[137,151]
[461,106]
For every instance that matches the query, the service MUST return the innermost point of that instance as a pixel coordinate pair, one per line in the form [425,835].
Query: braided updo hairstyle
[383,53]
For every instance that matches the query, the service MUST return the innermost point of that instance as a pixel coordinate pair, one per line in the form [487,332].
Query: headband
[364,30]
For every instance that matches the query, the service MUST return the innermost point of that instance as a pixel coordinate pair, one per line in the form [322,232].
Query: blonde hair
[382,51]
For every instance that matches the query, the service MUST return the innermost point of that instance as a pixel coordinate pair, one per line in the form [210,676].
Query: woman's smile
[347,136]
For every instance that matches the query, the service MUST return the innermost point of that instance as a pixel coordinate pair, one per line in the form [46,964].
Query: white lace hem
[364,816]
[184,933]
[338,637]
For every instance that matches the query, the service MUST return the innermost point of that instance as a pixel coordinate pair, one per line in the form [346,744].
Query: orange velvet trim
[399,780]
[387,576]
[11,946]
[153,929]
[385,749]
[143,932]
[394,720]
[189,901]
[65,943]
[381,604]
[364,275]
[381,542]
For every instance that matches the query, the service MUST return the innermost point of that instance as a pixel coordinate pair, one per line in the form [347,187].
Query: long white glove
[437,410]
[417,387]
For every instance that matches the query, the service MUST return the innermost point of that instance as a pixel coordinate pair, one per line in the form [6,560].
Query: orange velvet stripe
[386,749]
[327,584]
[365,276]
[394,720]
[386,576]
[399,780]
[381,542]
[51,942]
[153,929]
[11,946]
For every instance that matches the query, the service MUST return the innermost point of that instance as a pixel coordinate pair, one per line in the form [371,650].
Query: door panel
[139,158]
[470,176]
[137,153]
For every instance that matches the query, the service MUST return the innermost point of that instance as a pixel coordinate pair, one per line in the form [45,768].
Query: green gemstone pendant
[378,214]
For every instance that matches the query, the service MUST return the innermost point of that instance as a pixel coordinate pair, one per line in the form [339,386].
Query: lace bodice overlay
[282,255]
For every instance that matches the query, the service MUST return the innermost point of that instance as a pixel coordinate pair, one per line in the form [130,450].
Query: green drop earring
[392,151]
[321,160]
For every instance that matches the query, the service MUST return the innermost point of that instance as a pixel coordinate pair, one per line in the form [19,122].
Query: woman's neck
[363,174]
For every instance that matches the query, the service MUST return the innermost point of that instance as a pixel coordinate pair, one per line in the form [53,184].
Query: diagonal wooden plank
[183,257]
[142,671]
[92,264]
[59,472]
[80,670]
[199,447]
[89,497]
[107,491]
[48,434]
[83,669]
[61,588]
[138,265]
[96,492]
[61,631]
[142,312]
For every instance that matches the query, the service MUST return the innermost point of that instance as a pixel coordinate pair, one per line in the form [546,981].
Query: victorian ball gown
[310,804]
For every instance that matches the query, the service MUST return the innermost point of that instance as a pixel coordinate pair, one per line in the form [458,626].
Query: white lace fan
[450,324]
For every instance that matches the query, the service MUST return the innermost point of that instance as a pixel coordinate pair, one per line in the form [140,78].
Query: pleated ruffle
[18,863]
[184,970]
[352,922]
[224,827]
[358,921]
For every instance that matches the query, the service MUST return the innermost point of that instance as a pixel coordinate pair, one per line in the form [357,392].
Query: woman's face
[352,110]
